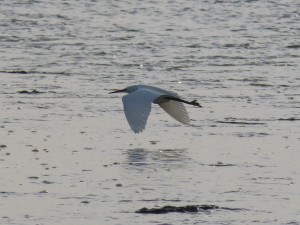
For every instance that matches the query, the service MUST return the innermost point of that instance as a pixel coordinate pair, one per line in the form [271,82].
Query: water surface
[67,154]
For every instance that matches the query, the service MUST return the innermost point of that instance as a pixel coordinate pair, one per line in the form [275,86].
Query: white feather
[137,107]
[177,110]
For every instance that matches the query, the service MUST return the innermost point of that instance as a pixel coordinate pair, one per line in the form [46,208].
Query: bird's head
[128,89]
[119,91]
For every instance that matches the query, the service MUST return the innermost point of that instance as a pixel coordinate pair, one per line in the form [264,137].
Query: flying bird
[137,105]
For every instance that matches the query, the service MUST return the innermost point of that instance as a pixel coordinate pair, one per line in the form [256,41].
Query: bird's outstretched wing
[137,107]
[177,110]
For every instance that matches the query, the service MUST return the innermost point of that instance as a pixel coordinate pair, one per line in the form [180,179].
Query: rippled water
[67,154]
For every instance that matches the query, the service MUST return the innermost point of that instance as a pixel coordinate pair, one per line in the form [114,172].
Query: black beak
[118,91]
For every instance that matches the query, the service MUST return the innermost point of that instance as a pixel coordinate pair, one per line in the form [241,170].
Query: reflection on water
[137,156]
[141,159]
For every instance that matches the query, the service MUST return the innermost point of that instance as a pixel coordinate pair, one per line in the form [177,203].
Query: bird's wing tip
[137,131]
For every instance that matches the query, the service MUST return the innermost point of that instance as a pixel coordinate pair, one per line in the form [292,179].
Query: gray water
[67,154]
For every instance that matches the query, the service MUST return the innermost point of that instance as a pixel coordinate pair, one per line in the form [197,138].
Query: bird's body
[137,105]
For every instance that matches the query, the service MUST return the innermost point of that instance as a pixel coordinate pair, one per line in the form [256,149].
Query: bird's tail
[194,102]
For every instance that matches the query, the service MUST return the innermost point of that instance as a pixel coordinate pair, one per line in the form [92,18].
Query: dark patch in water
[16,71]
[250,134]
[293,46]
[47,182]
[289,119]
[194,46]
[182,209]
[260,85]
[35,72]
[158,199]
[34,91]
[221,164]
[241,123]
[7,192]
[33,177]
[85,202]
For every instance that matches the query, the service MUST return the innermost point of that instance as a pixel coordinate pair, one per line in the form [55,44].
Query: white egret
[137,105]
